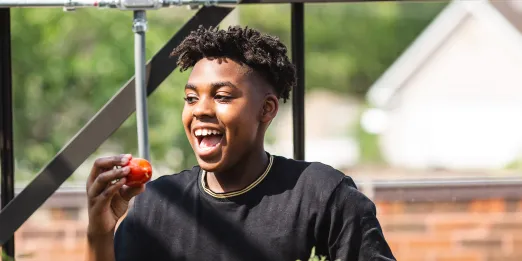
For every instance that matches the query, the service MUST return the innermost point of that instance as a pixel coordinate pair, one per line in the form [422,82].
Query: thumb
[127,193]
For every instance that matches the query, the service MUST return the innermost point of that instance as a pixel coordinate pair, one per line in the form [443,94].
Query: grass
[314,257]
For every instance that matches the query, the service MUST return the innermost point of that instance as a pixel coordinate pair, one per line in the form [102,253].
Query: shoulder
[313,172]
[326,186]
[313,178]
[182,178]
[347,198]
[169,187]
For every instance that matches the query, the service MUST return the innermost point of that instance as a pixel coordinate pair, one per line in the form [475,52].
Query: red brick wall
[488,230]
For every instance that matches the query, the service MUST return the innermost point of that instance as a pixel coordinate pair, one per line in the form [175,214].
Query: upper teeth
[205,132]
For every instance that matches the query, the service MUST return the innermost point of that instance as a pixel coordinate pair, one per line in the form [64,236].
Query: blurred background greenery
[66,66]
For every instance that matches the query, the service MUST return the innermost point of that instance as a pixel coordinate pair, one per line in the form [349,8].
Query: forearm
[100,248]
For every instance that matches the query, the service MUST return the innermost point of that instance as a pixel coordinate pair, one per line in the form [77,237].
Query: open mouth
[208,139]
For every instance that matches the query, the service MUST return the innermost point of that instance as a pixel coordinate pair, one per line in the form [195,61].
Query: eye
[190,99]
[223,98]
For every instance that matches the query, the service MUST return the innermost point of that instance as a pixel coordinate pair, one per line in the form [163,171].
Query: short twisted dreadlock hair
[265,54]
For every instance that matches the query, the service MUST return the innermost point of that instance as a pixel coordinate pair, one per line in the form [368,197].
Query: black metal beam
[98,129]
[298,108]
[6,122]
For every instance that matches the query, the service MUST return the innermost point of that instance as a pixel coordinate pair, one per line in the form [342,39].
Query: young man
[240,202]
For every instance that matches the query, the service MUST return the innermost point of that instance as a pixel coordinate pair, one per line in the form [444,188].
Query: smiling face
[227,110]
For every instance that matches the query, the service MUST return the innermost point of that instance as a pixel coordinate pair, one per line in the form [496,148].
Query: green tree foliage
[348,46]
[66,66]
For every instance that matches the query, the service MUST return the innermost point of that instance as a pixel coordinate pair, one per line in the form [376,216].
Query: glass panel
[66,66]
[416,101]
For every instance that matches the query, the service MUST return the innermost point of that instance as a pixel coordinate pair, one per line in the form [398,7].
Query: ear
[270,108]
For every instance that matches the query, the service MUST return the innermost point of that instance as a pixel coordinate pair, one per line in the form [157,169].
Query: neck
[246,171]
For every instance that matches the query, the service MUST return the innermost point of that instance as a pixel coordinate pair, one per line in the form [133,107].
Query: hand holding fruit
[140,172]
[107,192]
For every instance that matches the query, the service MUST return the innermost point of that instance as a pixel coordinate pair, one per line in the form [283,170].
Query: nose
[203,108]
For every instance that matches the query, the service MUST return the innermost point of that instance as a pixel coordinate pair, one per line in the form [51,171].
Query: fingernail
[125,170]
[124,160]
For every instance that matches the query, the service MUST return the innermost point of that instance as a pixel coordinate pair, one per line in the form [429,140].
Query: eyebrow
[213,85]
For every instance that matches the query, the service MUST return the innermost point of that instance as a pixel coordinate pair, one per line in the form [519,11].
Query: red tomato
[140,172]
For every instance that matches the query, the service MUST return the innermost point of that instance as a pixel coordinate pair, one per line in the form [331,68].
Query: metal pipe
[6,121]
[140,27]
[168,3]
[120,4]
[298,102]
[50,3]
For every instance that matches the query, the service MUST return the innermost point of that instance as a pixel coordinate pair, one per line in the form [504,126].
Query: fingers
[108,193]
[112,161]
[127,193]
[106,163]
[103,200]
[103,180]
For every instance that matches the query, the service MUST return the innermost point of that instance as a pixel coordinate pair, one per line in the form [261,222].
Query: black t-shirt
[291,208]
